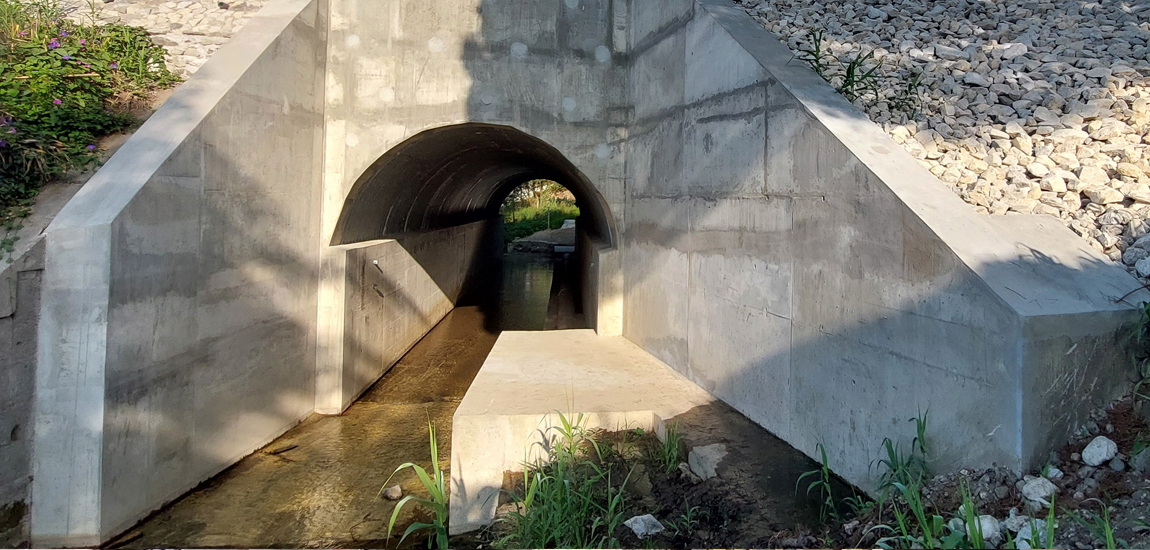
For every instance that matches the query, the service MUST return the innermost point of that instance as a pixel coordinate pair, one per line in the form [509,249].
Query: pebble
[991,530]
[392,493]
[1013,97]
[1028,533]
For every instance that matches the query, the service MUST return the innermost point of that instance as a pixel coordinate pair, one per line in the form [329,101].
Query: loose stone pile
[1026,107]
[190,30]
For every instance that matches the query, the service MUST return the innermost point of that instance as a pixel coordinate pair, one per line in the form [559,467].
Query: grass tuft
[569,500]
[436,486]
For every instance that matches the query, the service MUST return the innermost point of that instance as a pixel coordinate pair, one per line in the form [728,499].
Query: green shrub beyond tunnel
[64,84]
[535,206]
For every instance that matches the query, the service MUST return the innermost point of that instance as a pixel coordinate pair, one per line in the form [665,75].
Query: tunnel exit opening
[450,195]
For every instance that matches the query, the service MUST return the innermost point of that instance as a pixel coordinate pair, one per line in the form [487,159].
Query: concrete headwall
[180,289]
[19,319]
[786,255]
[399,289]
[396,68]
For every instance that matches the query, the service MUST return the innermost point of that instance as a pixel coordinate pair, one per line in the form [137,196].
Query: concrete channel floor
[316,486]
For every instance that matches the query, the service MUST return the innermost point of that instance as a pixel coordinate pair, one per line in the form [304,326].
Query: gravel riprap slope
[1026,107]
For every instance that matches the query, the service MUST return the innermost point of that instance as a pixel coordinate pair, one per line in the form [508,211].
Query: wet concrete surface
[316,486]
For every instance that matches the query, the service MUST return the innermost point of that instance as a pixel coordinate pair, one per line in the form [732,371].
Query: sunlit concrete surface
[752,230]
[527,381]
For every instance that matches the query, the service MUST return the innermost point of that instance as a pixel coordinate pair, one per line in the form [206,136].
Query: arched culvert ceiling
[455,175]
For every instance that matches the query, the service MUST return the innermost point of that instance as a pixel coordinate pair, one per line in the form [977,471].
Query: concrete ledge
[527,381]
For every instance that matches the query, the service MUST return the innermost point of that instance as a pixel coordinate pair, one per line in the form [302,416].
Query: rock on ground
[703,460]
[392,493]
[1026,108]
[1099,451]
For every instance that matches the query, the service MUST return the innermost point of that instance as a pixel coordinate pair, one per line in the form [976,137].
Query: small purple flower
[56,102]
[11,130]
[3,143]
[82,41]
[53,44]
[113,65]
[67,57]
[91,147]
[86,66]
[63,33]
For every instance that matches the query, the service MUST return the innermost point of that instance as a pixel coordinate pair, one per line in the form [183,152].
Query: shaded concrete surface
[565,310]
[316,485]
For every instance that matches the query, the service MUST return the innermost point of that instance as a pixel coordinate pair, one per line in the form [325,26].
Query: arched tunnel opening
[442,211]
[463,176]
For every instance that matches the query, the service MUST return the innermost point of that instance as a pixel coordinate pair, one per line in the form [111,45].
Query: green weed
[1099,525]
[436,486]
[63,84]
[821,483]
[687,522]
[1043,538]
[569,500]
[906,467]
[861,77]
[668,454]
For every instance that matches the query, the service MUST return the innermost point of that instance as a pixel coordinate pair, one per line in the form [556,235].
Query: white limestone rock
[1100,450]
[1039,490]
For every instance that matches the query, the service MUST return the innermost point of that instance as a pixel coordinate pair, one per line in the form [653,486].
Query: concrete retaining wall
[19,319]
[601,280]
[179,289]
[789,257]
[399,289]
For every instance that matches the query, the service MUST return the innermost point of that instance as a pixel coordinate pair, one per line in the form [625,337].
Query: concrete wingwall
[179,294]
[399,289]
[789,257]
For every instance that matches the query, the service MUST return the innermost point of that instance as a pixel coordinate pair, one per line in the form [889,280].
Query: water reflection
[524,292]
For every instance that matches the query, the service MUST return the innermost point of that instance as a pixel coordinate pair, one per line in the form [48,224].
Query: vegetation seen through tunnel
[535,206]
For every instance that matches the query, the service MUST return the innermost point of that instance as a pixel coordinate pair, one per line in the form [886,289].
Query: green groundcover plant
[64,83]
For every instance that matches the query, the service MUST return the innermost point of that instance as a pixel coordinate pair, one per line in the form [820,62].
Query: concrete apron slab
[527,381]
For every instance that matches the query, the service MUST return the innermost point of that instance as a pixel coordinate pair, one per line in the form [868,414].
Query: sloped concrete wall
[179,291]
[787,256]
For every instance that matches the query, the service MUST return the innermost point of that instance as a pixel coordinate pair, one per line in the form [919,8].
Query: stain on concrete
[12,522]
